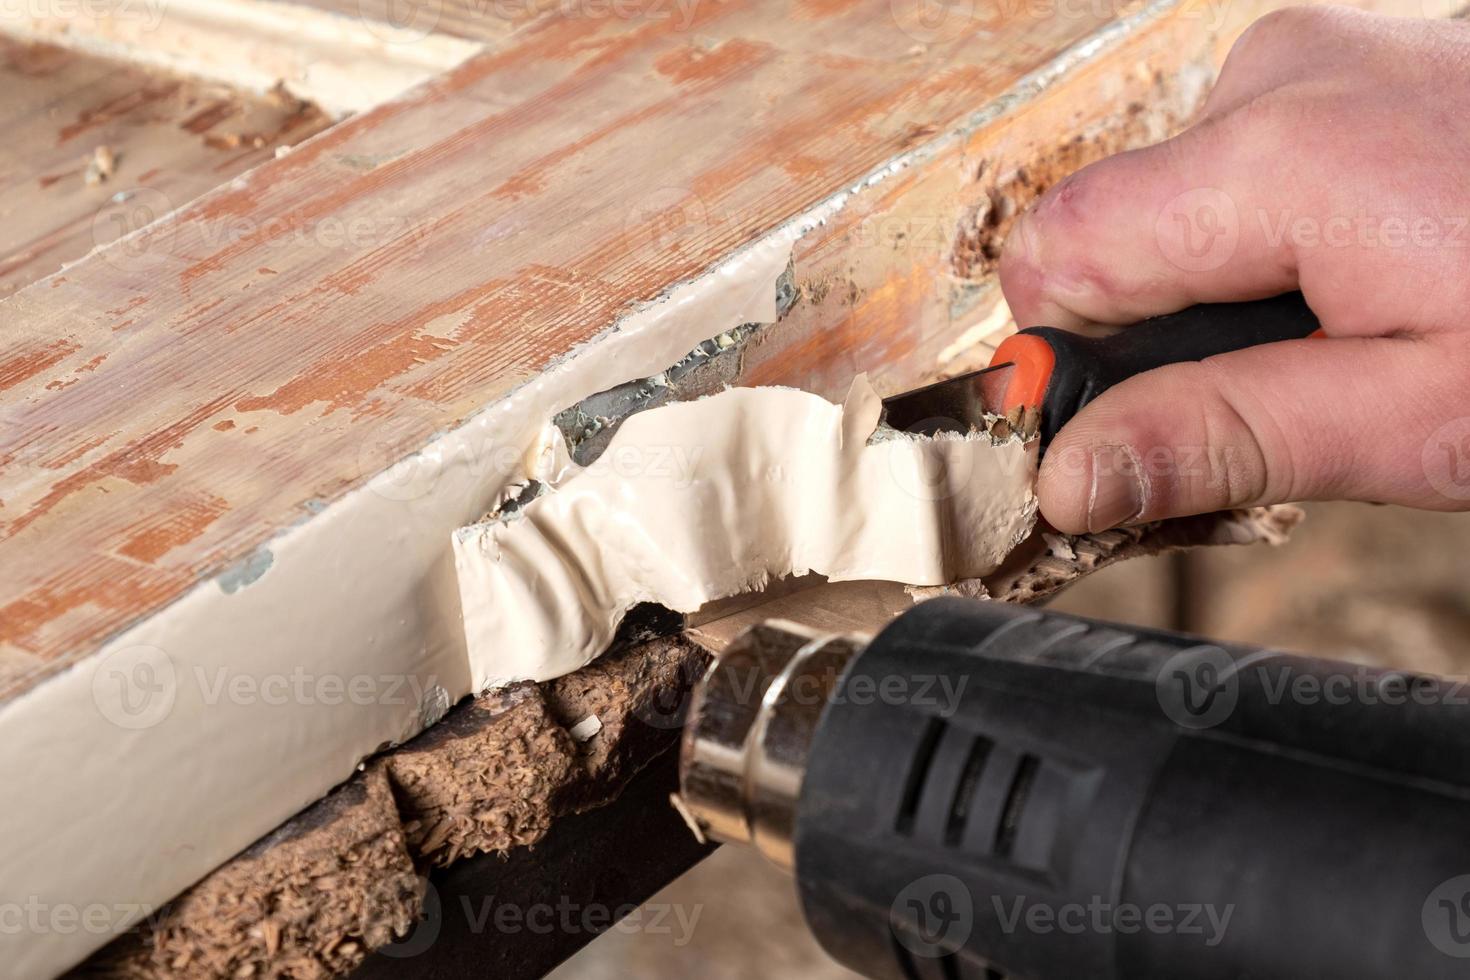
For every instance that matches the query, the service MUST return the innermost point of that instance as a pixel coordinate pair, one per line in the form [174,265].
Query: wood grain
[171,139]
[340,55]
[176,400]
[478,20]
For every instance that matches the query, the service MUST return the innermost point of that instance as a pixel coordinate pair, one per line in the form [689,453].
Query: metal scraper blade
[957,405]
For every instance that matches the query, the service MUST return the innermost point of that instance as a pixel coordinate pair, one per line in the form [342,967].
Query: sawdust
[1009,190]
[306,902]
[345,876]
[100,166]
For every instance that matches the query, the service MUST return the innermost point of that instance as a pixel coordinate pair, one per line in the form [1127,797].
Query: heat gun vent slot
[951,966]
[904,957]
[1015,806]
[964,791]
[913,789]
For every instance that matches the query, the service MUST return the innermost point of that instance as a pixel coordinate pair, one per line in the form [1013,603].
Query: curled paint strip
[710,498]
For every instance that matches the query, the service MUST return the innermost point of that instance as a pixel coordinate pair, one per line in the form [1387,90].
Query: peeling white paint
[701,500]
[142,744]
[138,750]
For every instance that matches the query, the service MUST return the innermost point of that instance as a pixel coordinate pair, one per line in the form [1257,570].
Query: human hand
[1333,155]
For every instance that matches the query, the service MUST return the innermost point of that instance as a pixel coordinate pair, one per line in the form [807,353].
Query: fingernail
[1118,491]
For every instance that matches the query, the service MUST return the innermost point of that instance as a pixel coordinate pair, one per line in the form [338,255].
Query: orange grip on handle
[1034,360]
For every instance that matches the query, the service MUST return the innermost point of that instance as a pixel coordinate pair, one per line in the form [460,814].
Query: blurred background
[1369,584]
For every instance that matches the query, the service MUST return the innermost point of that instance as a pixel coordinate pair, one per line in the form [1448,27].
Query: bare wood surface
[415,264]
[381,284]
[94,147]
[478,20]
[523,180]
[342,56]
[285,324]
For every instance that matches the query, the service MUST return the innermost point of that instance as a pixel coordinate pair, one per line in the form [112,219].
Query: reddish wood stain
[506,213]
[68,102]
[693,63]
[116,108]
[29,362]
[210,116]
[177,525]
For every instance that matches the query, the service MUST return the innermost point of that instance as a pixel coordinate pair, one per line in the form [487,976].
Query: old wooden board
[96,148]
[301,382]
[533,184]
[480,807]
[517,916]
[478,20]
[341,57]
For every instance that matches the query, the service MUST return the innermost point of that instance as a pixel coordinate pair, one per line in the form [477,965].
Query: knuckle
[1073,202]
[1250,459]
[1078,281]
[1284,25]
[1073,215]
[1273,44]
[1273,118]
[1236,469]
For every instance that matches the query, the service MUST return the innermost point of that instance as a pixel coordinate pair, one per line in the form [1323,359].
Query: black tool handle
[1088,366]
[1002,792]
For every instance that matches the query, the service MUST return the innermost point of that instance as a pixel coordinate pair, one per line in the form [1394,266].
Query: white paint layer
[706,499]
[137,771]
[187,737]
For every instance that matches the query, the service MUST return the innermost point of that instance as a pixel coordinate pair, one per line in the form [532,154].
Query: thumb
[1348,418]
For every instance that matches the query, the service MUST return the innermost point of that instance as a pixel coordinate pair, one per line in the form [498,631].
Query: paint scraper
[1056,373]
